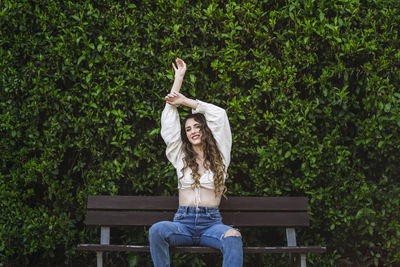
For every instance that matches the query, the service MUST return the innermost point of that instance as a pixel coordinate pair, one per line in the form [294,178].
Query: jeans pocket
[215,216]
[179,216]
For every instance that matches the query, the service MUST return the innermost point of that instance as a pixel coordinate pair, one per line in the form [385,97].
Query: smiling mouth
[195,137]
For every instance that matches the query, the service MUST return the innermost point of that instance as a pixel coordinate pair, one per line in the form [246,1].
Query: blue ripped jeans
[191,227]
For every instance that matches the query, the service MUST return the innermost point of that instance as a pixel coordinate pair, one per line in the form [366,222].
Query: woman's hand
[175,98]
[180,68]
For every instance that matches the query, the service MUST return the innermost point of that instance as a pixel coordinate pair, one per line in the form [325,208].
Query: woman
[200,152]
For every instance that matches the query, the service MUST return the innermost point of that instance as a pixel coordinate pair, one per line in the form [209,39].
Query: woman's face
[193,131]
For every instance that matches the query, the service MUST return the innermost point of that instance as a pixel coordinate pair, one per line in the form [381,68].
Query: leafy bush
[310,87]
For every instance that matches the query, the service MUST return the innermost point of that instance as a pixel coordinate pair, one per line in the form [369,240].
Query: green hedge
[311,89]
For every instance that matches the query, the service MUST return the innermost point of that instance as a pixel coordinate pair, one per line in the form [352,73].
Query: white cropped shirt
[217,121]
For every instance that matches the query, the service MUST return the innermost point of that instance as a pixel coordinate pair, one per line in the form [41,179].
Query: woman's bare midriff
[207,196]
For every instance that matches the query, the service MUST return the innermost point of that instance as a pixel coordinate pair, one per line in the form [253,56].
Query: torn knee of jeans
[232,232]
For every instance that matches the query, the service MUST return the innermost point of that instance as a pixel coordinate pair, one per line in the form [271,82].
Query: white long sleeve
[171,133]
[218,122]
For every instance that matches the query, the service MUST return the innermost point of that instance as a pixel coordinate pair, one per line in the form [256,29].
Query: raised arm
[174,97]
[216,117]
[170,132]
[170,122]
[218,122]
[180,70]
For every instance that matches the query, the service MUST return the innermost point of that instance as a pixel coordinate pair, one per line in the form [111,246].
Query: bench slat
[125,218]
[171,203]
[98,247]
[264,204]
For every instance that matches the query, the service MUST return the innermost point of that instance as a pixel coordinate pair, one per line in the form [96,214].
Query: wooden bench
[113,211]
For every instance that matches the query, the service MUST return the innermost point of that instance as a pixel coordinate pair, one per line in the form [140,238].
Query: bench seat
[115,211]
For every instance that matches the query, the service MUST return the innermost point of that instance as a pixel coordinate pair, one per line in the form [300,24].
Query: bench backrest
[237,211]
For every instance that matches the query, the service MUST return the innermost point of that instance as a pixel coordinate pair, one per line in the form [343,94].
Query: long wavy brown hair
[212,156]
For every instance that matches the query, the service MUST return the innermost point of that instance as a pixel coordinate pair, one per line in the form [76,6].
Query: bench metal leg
[104,240]
[291,242]
[99,259]
[105,236]
[303,260]
[291,237]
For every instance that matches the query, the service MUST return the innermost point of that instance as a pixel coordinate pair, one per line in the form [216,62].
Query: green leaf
[75,17]
[80,59]
[192,78]
[381,143]
[387,107]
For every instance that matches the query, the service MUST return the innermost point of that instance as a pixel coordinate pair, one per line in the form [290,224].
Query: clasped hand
[175,98]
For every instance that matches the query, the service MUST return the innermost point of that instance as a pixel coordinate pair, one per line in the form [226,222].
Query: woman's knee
[157,229]
[232,242]
[232,232]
